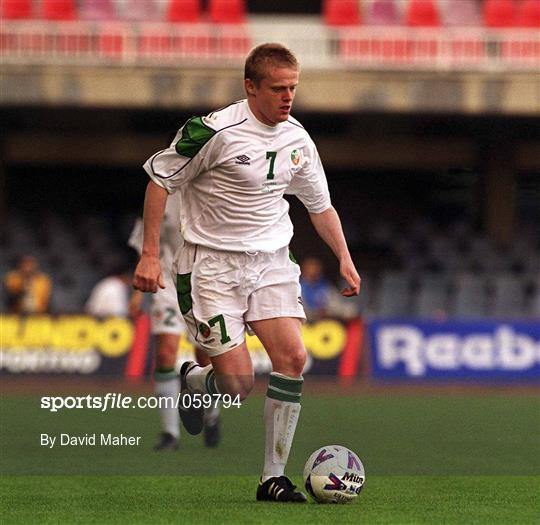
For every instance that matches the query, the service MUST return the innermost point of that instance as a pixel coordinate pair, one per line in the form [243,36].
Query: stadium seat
[527,50]
[184,11]
[142,11]
[58,10]
[422,13]
[341,12]
[465,46]
[383,13]
[499,13]
[97,10]
[394,295]
[528,14]
[462,14]
[16,9]
[227,11]
[470,297]
[508,297]
[432,296]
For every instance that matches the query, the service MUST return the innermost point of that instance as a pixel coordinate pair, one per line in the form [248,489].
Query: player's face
[272,99]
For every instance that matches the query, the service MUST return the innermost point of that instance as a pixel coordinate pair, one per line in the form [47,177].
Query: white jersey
[108,298]
[233,171]
[170,237]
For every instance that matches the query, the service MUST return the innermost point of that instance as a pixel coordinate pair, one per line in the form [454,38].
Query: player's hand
[349,273]
[147,277]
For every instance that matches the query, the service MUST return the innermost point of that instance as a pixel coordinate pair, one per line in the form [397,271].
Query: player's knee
[291,362]
[297,361]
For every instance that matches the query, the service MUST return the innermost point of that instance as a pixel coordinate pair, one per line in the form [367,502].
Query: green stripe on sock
[164,374]
[289,384]
[210,382]
[281,396]
[285,388]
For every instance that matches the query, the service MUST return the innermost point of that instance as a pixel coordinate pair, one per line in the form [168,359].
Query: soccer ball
[334,474]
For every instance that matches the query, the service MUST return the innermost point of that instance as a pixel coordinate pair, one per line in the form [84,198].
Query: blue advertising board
[455,350]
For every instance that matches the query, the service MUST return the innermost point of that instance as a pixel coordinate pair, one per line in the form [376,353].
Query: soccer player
[232,169]
[167,325]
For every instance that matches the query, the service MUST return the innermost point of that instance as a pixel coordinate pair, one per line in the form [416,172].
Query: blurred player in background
[232,169]
[27,289]
[167,325]
[110,296]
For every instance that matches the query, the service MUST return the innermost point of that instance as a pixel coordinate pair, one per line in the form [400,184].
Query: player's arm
[148,276]
[329,228]
[135,303]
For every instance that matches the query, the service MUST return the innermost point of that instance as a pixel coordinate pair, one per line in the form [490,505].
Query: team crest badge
[204,329]
[295,157]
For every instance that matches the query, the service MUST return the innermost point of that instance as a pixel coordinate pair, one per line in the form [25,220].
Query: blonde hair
[264,55]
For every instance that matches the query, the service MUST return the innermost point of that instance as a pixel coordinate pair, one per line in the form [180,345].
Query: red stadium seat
[499,13]
[341,12]
[58,10]
[422,13]
[528,14]
[227,11]
[16,9]
[184,11]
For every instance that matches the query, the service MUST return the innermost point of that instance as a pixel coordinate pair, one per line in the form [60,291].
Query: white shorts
[164,313]
[220,292]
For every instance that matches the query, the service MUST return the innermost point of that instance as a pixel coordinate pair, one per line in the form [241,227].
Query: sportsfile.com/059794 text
[118,400]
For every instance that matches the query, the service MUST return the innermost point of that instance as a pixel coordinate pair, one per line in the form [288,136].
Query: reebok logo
[243,159]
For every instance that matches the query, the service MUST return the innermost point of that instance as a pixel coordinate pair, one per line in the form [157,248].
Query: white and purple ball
[334,474]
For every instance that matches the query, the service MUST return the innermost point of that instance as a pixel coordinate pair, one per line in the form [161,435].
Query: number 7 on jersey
[272,156]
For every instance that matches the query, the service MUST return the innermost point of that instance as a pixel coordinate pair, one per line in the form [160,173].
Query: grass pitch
[471,458]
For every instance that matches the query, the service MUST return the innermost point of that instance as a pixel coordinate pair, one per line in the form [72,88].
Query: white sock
[167,385]
[281,413]
[211,415]
[202,380]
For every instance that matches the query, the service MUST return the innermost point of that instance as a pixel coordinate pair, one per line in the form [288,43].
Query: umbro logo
[243,159]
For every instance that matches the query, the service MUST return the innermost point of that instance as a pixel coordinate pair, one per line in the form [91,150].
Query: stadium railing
[164,44]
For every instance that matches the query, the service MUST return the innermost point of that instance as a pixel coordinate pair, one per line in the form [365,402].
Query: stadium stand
[227,11]
[432,296]
[422,13]
[341,12]
[499,13]
[99,10]
[184,11]
[383,13]
[16,9]
[146,11]
[417,34]
[59,10]
[464,13]
[394,297]
[426,271]
[529,14]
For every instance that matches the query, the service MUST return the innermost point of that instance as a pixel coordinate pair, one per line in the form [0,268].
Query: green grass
[229,499]
[428,459]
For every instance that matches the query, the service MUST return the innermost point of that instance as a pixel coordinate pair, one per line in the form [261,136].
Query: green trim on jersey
[183,289]
[195,134]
